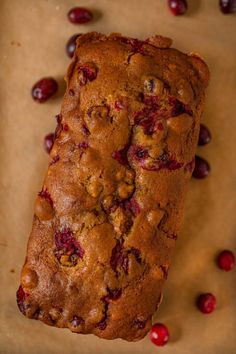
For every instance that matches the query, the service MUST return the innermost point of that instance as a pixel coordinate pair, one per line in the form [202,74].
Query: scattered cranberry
[48,142]
[201,169]
[71,45]
[43,89]
[159,334]
[206,303]
[178,7]
[204,135]
[226,260]
[227,6]
[79,15]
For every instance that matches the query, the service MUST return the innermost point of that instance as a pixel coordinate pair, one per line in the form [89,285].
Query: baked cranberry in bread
[111,206]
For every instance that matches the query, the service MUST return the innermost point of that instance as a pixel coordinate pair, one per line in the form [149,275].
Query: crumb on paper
[12,270]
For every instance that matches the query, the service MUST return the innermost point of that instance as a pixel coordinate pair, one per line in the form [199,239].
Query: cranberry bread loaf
[108,215]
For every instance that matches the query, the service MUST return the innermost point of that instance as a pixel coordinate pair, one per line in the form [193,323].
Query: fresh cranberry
[226,260]
[79,15]
[227,6]
[159,334]
[121,155]
[71,45]
[206,303]
[201,169]
[204,135]
[48,142]
[178,7]
[43,89]
[20,299]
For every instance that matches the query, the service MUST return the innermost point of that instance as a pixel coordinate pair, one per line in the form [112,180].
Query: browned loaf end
[111,206]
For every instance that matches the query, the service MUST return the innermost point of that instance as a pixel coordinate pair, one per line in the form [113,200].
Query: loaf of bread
[111,205]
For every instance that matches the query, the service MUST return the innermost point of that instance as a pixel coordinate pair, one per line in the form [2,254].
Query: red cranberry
[204,135]
[76,321]
[201,169]
[119,258]
[66,244]
[133,206]
[79,15]
[20,299]
[159,334]
[43,89]
[121,155]
[44,193]
[71,45]
[206,303]
[112,294]
[178,7]
[48,142]
[87,72]
[226,260]
[140,324]
[227,6]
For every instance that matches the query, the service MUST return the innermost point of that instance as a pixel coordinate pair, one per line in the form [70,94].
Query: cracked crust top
[111,206]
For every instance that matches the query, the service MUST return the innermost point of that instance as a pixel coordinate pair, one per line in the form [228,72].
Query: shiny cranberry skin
[226,260]
[48,142]
[178,7]
[201,169]
[44,89]
[206,303]
[79,15]
[204,135]
[227,6]
[159,334]
[71,45]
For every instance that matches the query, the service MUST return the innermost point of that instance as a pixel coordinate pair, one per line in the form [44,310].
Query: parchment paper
[33,36]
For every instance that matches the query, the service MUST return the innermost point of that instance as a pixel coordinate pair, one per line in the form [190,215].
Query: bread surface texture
[111,206]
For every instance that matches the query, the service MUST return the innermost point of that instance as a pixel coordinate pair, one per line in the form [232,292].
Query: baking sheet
[33,36]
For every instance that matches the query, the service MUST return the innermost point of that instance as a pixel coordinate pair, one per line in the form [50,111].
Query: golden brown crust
[111,206]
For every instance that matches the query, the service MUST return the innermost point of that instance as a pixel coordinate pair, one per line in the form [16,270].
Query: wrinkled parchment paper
[33,36]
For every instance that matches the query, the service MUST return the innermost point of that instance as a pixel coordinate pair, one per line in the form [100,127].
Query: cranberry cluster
[179,7]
